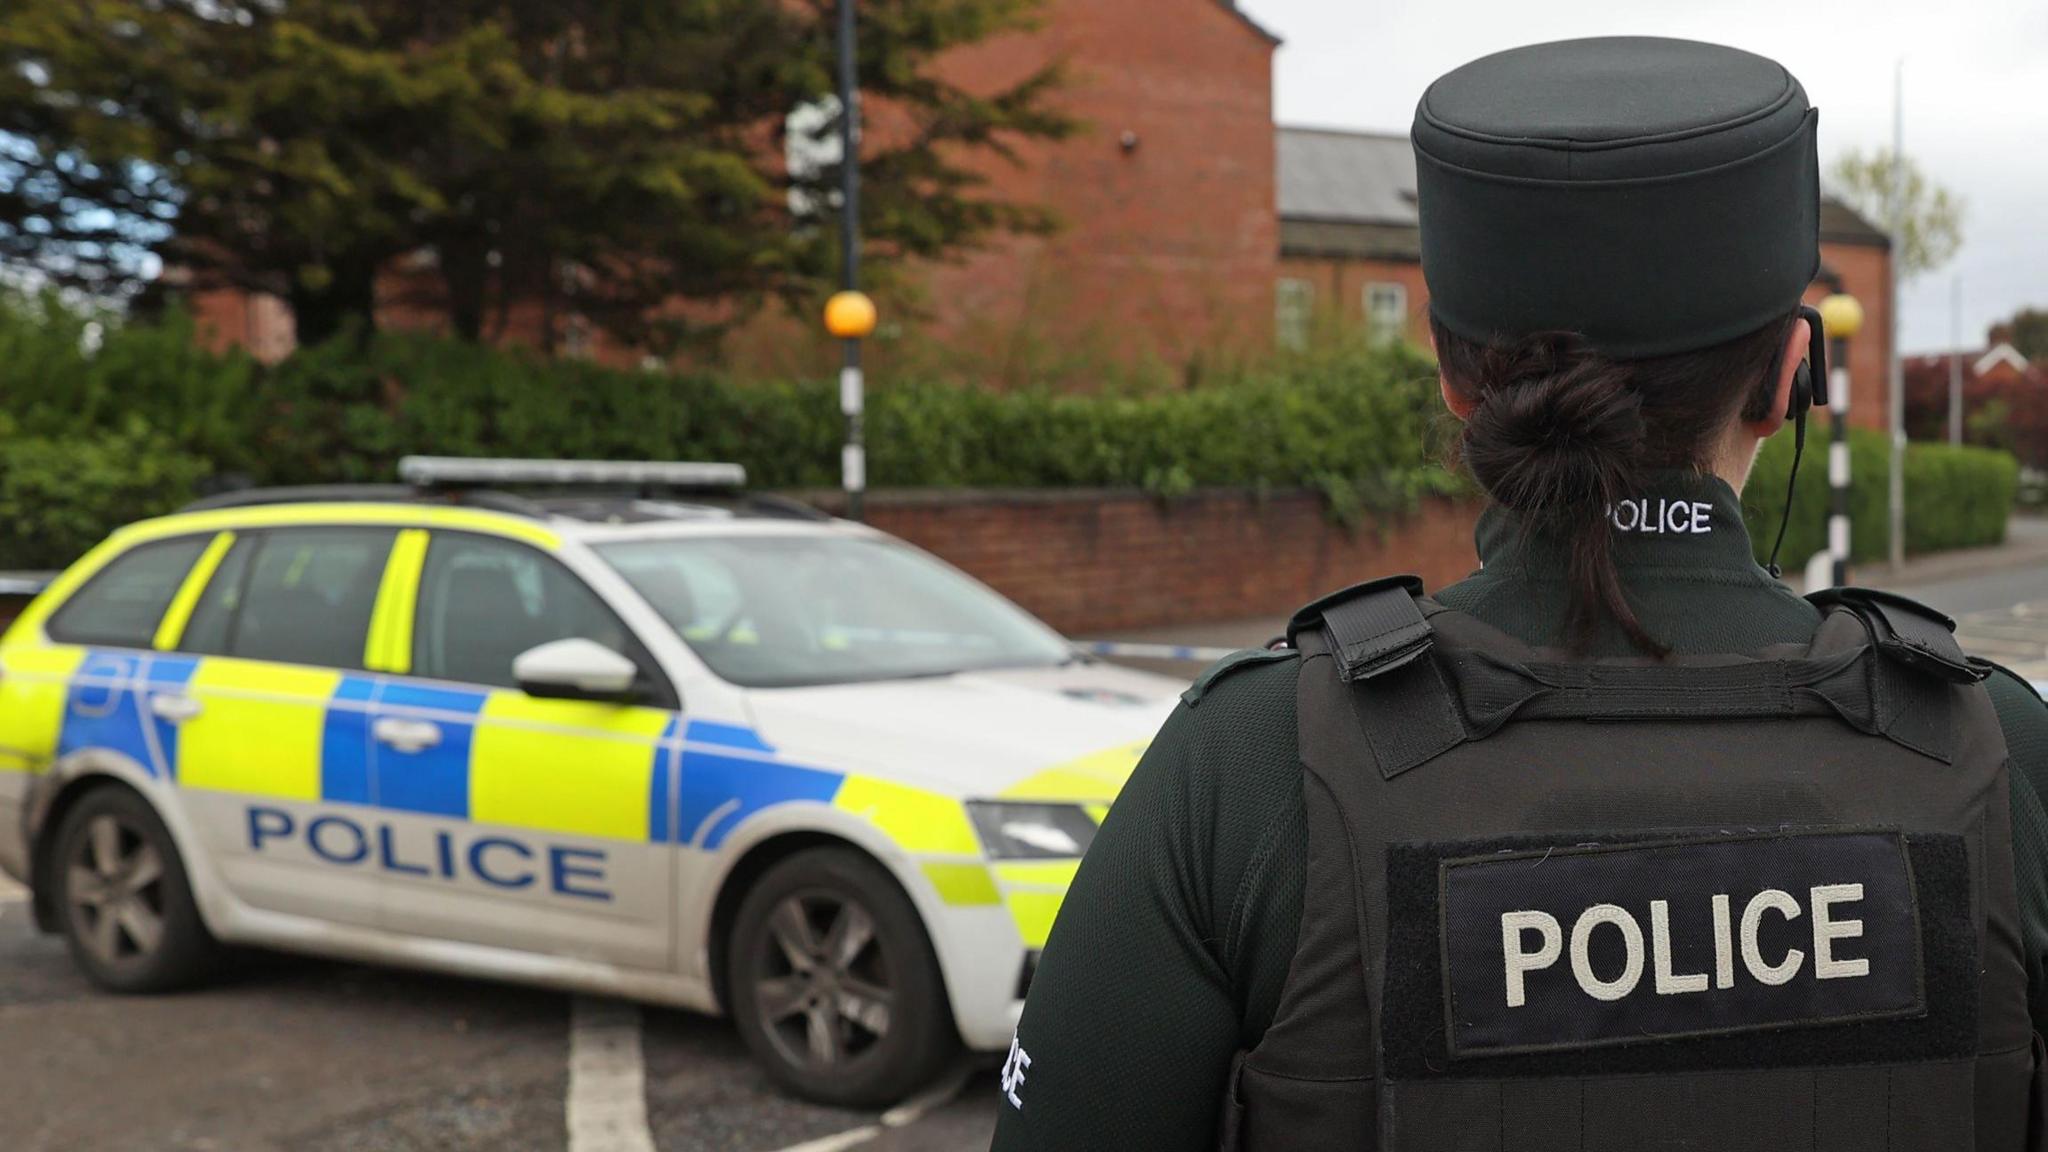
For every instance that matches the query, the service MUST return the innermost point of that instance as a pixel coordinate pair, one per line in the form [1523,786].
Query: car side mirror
[575,669]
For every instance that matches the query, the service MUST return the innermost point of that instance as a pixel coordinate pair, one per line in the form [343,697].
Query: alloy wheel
[114,886]
[823,990]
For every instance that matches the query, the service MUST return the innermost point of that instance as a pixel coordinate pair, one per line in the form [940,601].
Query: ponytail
[1560,434]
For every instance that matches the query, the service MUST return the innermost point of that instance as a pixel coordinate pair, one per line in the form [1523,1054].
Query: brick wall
[1093,562]
[1865,275]
[1166,247]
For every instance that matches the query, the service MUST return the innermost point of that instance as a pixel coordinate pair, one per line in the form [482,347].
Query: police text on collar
[1661,516]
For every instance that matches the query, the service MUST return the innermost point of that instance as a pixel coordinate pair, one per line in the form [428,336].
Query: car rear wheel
[123,897]
[834,985]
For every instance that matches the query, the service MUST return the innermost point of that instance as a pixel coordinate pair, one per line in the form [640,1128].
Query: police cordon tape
[1133,651]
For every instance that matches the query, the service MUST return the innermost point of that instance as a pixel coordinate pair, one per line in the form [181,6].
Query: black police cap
[1657,196]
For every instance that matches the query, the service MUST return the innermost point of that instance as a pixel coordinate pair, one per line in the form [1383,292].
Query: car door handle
[406,735]
[176,709]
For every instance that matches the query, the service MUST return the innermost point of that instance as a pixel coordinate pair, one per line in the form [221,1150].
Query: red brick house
[1996,376]
[1169,240]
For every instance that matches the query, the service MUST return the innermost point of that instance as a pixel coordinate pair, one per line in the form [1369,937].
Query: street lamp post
[1842,316]
[856,311]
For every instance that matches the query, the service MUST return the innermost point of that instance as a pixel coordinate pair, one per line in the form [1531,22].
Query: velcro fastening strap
[1375,632]
[1907,631]
[1411,718]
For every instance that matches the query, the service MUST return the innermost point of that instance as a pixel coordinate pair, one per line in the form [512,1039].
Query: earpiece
[1809,387]
[1810,383]
[1802,391]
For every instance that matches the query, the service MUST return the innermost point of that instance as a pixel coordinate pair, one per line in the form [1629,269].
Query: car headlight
[1032,831]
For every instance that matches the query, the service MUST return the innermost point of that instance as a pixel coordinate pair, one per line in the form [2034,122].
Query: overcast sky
[1976,85]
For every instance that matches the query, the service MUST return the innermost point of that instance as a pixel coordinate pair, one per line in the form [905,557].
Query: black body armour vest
[1737,902]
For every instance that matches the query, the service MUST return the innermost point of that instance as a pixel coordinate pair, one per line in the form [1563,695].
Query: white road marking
[852,1138]
[901,1116]
[607,1082]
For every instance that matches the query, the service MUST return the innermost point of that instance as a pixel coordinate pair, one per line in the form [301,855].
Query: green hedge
[1351,420]
[1955,497]
[89,441]
[1355,416]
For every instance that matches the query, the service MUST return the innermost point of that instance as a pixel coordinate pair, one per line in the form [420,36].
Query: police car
[712,751]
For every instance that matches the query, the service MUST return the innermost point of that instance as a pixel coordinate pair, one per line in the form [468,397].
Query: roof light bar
[472,472]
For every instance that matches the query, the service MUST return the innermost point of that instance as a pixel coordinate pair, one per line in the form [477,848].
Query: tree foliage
[1931,216]
[2028,333]
[606,157]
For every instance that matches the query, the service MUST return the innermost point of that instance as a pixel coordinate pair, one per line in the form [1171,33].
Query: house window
[1386,312]
[1293,308]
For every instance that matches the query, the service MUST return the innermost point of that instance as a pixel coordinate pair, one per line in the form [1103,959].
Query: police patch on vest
[1587,947]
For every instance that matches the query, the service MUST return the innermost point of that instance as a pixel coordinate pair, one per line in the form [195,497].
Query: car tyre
[123,898]
[834,985]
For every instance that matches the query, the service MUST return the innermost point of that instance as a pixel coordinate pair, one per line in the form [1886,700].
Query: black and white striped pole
[1842,316]
[850,315]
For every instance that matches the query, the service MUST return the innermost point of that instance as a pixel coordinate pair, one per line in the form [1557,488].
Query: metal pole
[853,467]
[1955,361]
[1838,459]
[1891,319]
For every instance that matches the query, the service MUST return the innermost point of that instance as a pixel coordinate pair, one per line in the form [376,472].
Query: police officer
[1618,843]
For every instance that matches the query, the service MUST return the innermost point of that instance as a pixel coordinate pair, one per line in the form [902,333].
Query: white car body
[561,891]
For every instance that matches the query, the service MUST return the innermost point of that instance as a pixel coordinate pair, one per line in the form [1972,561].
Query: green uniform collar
[1679,520]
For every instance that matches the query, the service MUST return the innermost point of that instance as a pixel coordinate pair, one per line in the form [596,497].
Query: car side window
[123,603]
[294,595]
[483,601]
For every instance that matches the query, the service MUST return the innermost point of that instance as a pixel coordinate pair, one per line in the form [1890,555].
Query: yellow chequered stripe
[1096,776]
[963,884]
[389,647]
[1033,913]
[397,515]
[260,731]
[919,822]
[563,765]
[171,628]
[33,689]
[1033,891]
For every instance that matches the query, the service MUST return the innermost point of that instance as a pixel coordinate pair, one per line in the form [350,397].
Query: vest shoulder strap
[1370,628]
[1426,678]
[1906,631]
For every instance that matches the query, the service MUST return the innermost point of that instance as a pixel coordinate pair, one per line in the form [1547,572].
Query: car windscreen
[784,611]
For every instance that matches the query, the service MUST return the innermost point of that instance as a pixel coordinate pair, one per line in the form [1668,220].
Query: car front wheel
[834,985]
[123,897]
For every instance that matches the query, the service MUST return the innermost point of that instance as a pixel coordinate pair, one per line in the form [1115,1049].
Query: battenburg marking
[1587,946]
